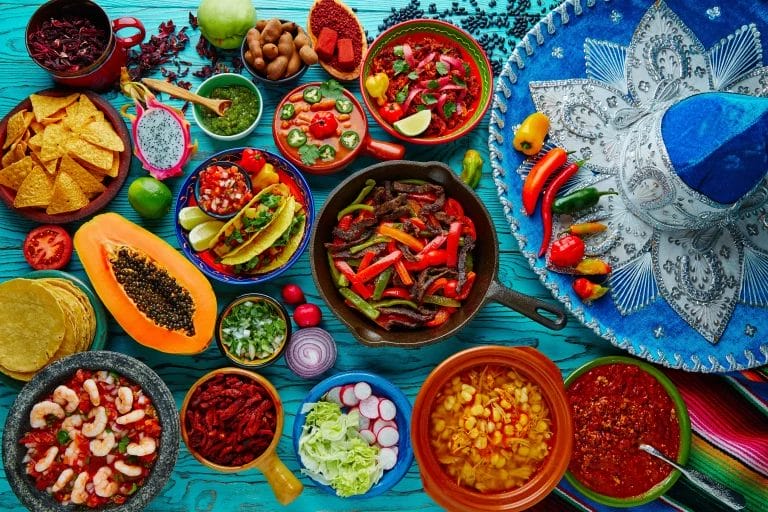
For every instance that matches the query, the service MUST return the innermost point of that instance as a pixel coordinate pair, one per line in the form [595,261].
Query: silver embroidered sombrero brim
[690,282]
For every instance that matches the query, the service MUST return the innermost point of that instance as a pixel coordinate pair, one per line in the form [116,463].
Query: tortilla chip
[86,108]
[84,179]
[36,141]
[17,152]
[55,138]
[14,174]
[44,107]
[67,196]
[16,127]
[36,127]
[103,135]
[32,325]
[35,190]
[90,153]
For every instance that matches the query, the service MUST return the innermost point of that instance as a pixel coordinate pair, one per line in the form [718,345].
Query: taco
[266,237]
[252,221]
[280,251]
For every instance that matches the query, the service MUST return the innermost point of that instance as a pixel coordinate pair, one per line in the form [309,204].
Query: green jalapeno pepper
[579,200]
[296,138]
[287,111]
[312,94]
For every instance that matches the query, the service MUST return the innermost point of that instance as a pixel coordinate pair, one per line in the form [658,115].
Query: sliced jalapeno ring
[296,138]
[327,153]
[350,139]
[288,111]
[312,94]
[344,105]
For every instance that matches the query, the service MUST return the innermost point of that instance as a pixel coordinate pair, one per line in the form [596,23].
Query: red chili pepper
[538,176]
[378,266]
[549,199]
[397,293]
[252,160]
[442,316]
[323,125]
[587,290]
[453,208]
[430,259]
[391,112]
[366,261]
[452,245]
[593,267]
[567,251]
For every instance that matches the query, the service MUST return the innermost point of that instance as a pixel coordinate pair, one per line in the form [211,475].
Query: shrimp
[79,494]
[145,446]
[50,455]
[124,401]
[98,424]
[42,410]
[128,470]
[63,479]
[72,452]
[71,424]
[66,397]
[131,417]
[102,484]
[93,391]
[102,445]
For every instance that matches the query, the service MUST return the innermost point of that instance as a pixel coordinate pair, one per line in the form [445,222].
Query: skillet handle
[527,306]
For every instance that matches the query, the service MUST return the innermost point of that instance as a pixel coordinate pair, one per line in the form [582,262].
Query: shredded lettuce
[334,453]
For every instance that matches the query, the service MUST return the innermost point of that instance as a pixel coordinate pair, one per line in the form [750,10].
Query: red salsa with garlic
[223,190]
[615,408]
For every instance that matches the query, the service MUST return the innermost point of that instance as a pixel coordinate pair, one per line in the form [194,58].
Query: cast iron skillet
[486,258]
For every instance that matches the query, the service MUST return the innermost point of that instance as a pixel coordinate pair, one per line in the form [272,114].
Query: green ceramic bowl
[414,31]
[685,434]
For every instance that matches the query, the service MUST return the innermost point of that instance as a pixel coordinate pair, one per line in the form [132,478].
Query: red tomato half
[47,247]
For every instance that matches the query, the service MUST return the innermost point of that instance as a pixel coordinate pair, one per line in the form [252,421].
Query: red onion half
[310,352]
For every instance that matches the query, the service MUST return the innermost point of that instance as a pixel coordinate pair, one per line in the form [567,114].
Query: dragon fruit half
[161,138]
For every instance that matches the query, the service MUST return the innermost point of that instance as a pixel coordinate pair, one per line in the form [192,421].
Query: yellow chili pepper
[265,177]
[530,136]
[377,85]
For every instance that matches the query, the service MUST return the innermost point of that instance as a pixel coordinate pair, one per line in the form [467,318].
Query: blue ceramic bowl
[203,260]
[218,216]
[383,388]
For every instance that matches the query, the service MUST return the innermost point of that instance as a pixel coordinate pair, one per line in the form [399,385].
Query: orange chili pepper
[540,172]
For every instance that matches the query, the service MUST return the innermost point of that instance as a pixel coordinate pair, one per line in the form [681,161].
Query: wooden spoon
[314,31]
[218,106]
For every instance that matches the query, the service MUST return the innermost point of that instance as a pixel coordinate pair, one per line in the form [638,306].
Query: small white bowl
[224,80]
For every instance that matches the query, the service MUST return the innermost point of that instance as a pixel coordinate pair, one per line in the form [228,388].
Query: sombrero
[669,104]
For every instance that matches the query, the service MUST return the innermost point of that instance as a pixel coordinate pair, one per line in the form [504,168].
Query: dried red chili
[230,420]
[67,44]
[616,407]
[327,13]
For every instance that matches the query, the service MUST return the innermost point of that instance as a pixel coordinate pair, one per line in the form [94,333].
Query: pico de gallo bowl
[267,233]
[426,65]
[223,189]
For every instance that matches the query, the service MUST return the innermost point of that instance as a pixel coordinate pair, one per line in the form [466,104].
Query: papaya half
[156,295]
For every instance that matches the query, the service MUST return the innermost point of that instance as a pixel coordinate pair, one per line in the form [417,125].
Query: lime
[150,197]
[202,234]
[191,216]
[415,124]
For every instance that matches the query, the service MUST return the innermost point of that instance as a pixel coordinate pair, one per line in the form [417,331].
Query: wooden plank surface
[192,487]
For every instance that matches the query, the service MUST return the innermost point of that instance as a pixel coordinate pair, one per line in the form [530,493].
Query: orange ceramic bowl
[533,366]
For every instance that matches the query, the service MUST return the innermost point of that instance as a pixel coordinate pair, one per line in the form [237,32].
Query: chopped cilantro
[442,68]
[449,108]
[413,75]
[234,236]
[402,94]
[400,66]
[252,224]
[467,69]
[419,108]
[458,81]
[428,99]
[331,89]
[133,489]
[271,201]
[123,444]
[62,436]
[398,51]
[433,84]
[309,153]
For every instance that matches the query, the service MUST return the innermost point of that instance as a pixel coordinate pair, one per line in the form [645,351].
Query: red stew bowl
[343,152]
[531,366]
[622,381]
[476,74]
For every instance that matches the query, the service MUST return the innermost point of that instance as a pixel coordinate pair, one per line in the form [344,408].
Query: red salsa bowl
[616,404]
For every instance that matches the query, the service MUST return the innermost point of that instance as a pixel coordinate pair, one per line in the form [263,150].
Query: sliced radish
[387,436]
[362,390]
[368,435]
[387,410]
[394,449]
[365,423]
[348,397]
[334,395]
[380,424]
[387,458]
[370,407]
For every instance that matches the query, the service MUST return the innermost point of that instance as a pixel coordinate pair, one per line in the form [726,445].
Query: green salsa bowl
[240,118]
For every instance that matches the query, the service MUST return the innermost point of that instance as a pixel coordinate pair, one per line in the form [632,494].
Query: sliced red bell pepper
[469,227]
[403,273]
[430,259]
[397,293]
[401,236]
[366,261]
[437,285]
[452,245]
[417,222]
[378,266]
[442,316]
[471,276]
[424,198]
[346,222]
[453,208]
[433,244]
[364,291]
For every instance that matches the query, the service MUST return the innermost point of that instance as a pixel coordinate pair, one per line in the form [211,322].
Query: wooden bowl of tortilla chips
[65,155]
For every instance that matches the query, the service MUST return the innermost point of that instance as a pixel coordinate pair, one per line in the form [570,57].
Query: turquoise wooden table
[192,486]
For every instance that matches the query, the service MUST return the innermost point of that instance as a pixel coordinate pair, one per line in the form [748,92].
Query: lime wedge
[191,216]
[202,234]
[414,124]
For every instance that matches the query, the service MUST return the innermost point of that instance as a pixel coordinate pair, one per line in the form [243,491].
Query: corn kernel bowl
[491,429]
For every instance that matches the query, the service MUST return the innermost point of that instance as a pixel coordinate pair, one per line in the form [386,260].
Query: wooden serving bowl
[312,32]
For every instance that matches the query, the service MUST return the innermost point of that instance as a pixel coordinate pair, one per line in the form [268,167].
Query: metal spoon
[218,106]
[725,495]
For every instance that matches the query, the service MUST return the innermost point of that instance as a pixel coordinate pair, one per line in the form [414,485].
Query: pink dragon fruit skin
[161,138]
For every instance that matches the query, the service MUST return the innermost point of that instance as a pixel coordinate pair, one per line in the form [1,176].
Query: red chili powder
[616,407]
[328,13]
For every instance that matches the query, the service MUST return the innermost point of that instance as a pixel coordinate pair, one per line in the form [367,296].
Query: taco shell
[289,248]
[266,237]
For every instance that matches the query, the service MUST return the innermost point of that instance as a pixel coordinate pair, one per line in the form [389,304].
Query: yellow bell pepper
[530,136]
[377,85]
[265,177]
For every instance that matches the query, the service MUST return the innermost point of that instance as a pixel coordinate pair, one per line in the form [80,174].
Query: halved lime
[202,234]
[415,124]
[191,216]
